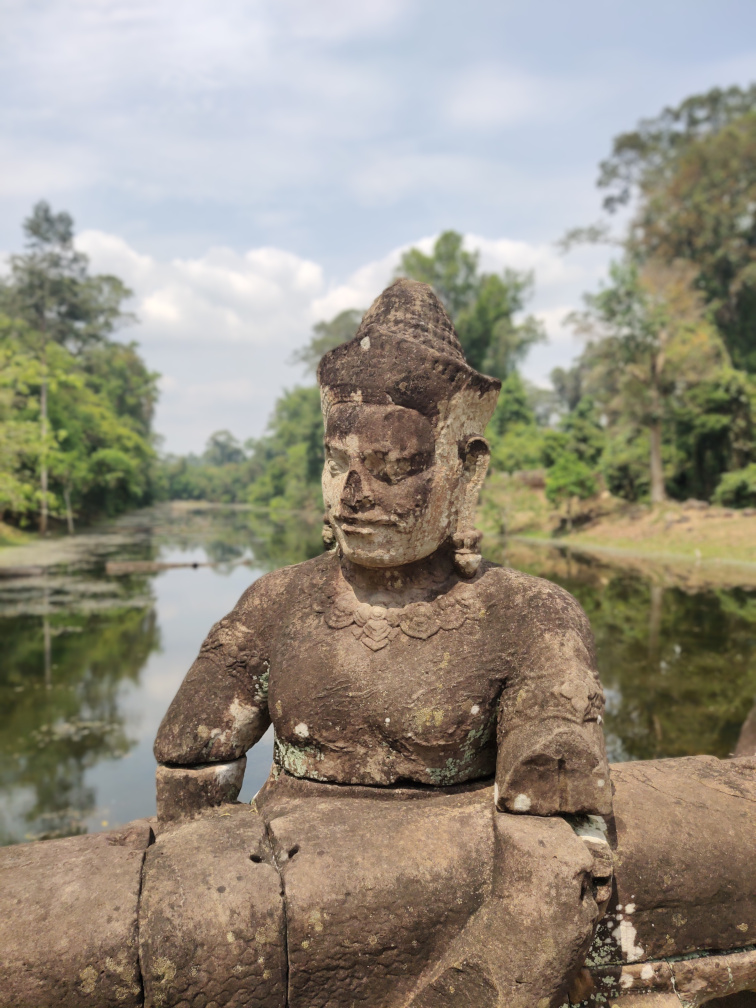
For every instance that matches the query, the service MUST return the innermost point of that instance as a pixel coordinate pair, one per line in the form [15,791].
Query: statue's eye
[336,462]
[391,469]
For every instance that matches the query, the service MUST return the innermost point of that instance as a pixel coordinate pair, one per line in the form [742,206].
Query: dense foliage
[75,405]
[671,353]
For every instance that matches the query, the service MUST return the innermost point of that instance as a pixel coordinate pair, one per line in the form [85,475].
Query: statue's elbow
[184,743]
[560,771]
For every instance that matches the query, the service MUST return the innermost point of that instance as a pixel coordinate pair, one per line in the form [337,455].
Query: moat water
[90,660]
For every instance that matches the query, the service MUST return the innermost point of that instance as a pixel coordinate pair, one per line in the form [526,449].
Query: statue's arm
[219,712]
[551,755]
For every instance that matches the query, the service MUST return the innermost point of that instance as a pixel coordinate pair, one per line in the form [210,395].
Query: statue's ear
[476,454]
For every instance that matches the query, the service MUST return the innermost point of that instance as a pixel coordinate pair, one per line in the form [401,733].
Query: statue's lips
[366,526]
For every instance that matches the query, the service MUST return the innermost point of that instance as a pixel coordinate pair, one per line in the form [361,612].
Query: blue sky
[252,167]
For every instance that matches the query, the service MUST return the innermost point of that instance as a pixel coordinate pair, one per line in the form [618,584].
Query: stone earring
[329,536]
[466,552]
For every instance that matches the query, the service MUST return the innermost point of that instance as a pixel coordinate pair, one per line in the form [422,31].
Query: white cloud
[220,328]
[363,286]
[261,297]
[554,321]
[543,258]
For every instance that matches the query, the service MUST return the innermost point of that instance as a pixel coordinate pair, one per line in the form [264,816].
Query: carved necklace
[375,625]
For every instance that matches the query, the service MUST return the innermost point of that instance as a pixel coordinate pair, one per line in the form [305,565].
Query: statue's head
[404,414]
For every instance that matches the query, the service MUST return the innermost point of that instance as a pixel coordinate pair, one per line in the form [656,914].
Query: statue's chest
[426,677]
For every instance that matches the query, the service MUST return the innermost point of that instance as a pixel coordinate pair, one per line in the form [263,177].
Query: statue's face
[389,492]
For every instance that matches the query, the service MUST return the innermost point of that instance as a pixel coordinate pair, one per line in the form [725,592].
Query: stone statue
[399,657]
[438,827]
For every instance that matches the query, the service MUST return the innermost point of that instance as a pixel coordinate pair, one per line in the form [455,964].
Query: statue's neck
[398,586]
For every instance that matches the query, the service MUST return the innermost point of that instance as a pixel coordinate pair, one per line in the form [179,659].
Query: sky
[254,166]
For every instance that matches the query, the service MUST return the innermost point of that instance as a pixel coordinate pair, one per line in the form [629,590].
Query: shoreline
[668,569]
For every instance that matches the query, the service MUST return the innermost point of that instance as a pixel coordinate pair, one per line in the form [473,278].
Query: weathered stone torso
[363,694]
[492,674]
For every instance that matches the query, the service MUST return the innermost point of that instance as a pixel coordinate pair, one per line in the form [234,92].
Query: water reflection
[90,662]
[60,689]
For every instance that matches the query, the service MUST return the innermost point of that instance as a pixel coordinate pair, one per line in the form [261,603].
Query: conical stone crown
[413,310]
[406,353]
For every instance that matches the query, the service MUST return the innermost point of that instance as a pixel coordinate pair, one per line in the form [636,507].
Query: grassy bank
[689,543]
[10,536]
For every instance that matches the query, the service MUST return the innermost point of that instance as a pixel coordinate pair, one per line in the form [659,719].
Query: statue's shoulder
[276,589]
[515,590]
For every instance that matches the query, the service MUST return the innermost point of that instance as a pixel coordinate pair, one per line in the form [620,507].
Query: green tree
[712,431]
[738,488]
[691,174]
[492,341]
[223,449]
[624,462]
[584,432]
[90,397]
[650,340]
[50,287]
[482,306]
[328,335]
[568,386]
[705,212]
[513,407]
[288,460]
[567,479]
[642,157]
[450,269]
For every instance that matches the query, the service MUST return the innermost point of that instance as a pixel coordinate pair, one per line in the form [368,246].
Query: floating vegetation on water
[74,730]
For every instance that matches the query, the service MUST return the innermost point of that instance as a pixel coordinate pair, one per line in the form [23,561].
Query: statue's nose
[355,494]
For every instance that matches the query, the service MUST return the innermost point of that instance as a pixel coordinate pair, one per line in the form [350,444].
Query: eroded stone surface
[401,659]
[523,946]
[425,707]
[377,882]
[68,920]
[183,792]
[684,864]
[212,927]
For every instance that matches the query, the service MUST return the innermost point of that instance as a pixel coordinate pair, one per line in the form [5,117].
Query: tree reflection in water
[61,711]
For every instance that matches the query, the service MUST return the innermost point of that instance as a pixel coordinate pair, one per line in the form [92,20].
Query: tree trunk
[654,624]
[47,636]
[747,742]
[658,495]
[43,459]
[69,512]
